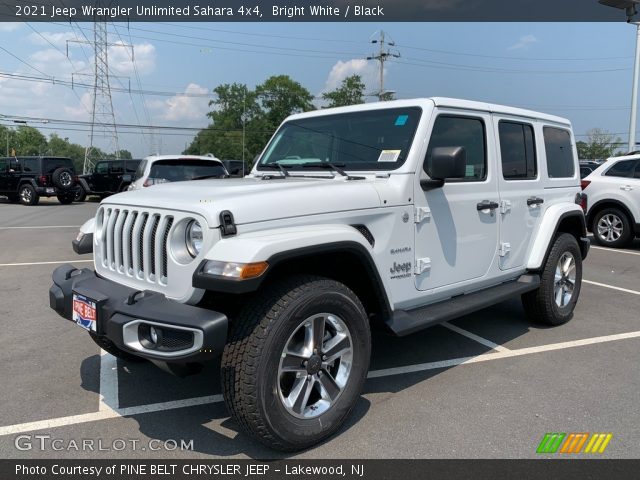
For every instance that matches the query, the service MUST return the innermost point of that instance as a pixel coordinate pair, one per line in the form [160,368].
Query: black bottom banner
[546,469]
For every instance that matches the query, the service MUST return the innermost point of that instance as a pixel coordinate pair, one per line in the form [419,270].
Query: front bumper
[186,333]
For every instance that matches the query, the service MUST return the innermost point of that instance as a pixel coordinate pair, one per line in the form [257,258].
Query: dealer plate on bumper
[84,312]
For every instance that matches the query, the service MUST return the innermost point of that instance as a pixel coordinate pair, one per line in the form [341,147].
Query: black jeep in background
[108,177]
[26,179]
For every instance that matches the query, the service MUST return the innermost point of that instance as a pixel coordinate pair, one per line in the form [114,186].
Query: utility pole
[384,54]
[103,122]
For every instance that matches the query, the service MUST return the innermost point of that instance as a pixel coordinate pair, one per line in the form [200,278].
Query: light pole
[629,6]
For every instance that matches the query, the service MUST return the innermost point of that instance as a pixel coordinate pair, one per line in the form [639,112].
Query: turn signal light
[584,183]
[237,271]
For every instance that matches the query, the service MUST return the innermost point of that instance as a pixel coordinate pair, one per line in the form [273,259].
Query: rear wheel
[296,362]
[611,228]
[553,303]
[28,195]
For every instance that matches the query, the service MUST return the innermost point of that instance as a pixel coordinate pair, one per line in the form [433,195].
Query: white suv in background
[612,201]
[158,169]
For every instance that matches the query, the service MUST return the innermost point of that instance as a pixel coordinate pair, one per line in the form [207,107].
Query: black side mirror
[446,162]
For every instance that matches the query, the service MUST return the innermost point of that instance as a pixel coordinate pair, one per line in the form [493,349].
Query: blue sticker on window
[401,121]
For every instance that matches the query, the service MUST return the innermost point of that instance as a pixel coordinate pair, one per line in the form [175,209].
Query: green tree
[600,145]
[281,96]
[62,147]
[350,92]
[28,141]
[258,112]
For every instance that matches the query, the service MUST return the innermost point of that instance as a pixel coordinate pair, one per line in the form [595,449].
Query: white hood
[253,199]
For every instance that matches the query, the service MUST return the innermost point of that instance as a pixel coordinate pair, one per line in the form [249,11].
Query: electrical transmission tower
[384,54]
[103,121]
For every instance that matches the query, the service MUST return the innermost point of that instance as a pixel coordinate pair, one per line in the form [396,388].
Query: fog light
[153,333]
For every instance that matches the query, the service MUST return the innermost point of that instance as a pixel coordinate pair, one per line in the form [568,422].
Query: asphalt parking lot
[490,385]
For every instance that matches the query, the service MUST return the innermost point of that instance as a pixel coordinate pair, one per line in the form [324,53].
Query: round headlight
[194,238]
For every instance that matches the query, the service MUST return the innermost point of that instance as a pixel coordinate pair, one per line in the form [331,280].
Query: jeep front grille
[134,243]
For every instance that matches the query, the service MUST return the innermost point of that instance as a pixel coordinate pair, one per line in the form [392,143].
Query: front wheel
[80,194]
[67,198]
[296,362]
[553,303]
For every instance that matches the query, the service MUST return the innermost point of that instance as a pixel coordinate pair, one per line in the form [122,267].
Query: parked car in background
[26,179]
[236,168]
[611,201]
[158,169]
[108,177]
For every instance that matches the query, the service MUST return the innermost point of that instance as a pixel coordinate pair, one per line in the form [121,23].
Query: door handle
[626,188]
[487,205]
[534,201]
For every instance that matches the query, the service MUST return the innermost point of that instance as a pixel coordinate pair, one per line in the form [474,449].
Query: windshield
[365,140]
[179,169]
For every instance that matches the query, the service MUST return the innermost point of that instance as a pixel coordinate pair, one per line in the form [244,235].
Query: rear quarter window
[621,169]
[559,150]
[49,165]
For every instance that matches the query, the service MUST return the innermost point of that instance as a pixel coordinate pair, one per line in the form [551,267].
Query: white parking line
[617,250]
[190,402]
[44,226]
[612,287]
[476,338]
[43,263]
[109,399]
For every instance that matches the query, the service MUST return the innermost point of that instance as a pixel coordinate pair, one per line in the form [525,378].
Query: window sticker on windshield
[389,155]
[401,121]
[470,171]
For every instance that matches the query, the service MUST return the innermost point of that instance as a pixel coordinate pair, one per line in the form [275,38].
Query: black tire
[67,198]
[612,217]
[28,195]
[541,305]
[251,360]
[62,179]
[80,194]
[109,347]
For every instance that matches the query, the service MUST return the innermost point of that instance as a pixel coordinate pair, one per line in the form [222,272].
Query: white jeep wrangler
[408,213]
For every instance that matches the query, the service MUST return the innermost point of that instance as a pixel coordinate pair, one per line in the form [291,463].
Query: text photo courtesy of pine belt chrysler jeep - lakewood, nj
[401,214]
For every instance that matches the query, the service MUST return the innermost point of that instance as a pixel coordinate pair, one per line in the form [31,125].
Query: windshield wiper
[276,165]
[337,167]
[204,177]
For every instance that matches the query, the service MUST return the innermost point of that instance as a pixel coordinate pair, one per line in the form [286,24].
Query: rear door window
[518,151]
[30,165]
[560,161]
[621,169]
[131,165]
[117,167]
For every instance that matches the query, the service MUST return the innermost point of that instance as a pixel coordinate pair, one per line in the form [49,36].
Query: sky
[581,71]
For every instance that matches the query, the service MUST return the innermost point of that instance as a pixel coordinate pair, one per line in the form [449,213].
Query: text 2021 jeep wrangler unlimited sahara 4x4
[409,212]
